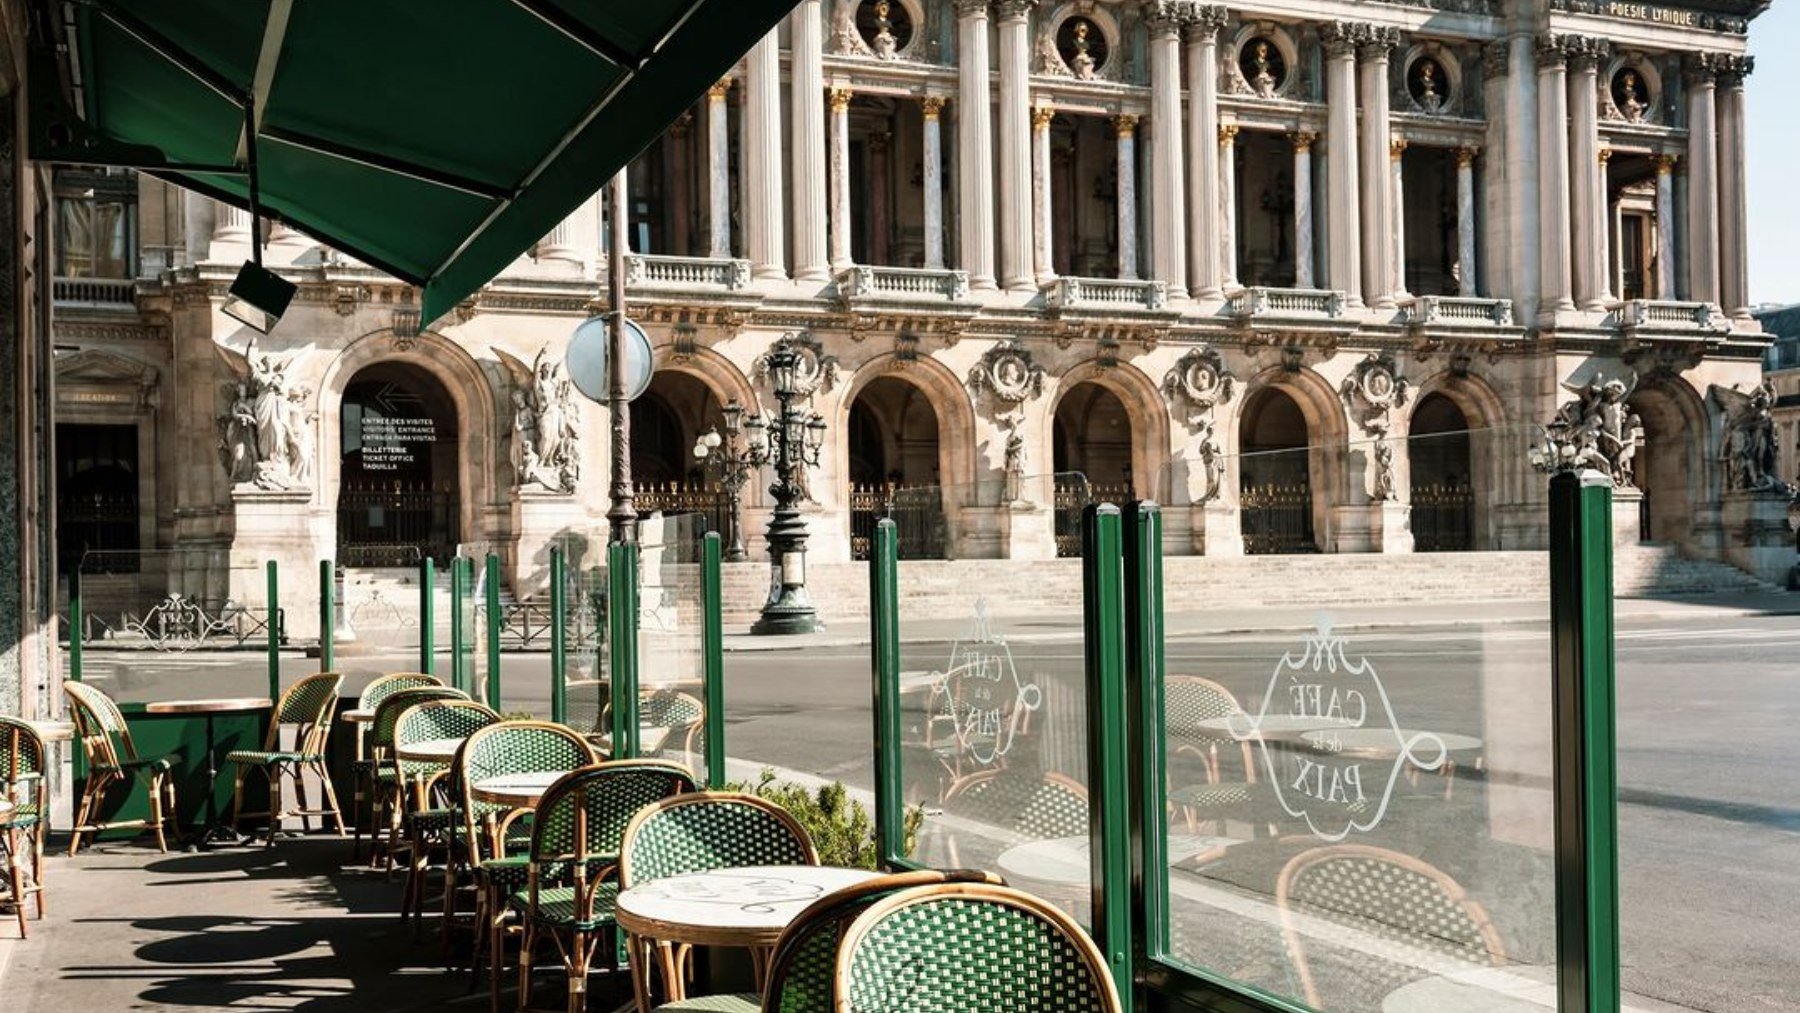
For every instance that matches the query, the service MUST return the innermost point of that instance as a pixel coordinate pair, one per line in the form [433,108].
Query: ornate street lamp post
[730,456]
[791,441]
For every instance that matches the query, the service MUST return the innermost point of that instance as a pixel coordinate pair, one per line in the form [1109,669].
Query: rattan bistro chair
[957,947]
[307,706]
[496,836]
[390,801]
[112,759]
[363,766]
[700,832]
[1416,909]
[572,879]
[430,819]
[802,968]
[23,783]
[1189,700]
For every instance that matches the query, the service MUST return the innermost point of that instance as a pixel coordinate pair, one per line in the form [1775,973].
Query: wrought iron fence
[1443,518]
[672,498]
[917,511]
[394,524]
[1277,518]
[1073,493]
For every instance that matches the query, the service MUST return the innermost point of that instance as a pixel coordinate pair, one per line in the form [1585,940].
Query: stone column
[1041,204]
[933,200]
[1204,273]
[1703,179]
[880,193]
[764,216]
[1228,205]
[1397,188]
[1553,176]
[1168,204]
[680,148]
[230,235]
[1378,217]
[806,93]
[1015,145]
[1587,199]
[575,239]
[1126,129]
[1303,210]
[1665,226]
[974,145]
[1343,269]
[1734,251]
[840,179]
[718,171]
[1465,222]
[197,212]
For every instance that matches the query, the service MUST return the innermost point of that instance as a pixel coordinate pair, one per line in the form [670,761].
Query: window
[96,224]
[97,498]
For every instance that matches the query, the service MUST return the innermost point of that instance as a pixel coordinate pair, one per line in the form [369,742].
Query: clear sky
[1773,96]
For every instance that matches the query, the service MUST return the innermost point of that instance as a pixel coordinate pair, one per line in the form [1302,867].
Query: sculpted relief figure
[266,433]
[1747,448]
[546,449]
[1595,431]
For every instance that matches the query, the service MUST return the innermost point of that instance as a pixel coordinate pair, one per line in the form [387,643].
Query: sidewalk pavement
[297,925]
[1226,621]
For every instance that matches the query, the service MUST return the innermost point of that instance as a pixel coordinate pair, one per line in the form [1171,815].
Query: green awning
[435,139]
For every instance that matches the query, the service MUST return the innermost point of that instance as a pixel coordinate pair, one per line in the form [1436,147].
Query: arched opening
[671,414]
[1665,465]
[1275,496]
[1090,450]
[97,498]
[399,486]
[896,468]
[1442,490]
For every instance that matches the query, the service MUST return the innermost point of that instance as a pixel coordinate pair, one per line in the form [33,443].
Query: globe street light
[729,454]
[791,441]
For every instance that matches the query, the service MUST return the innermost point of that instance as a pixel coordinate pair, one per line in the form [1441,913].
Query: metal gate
[1443,518]
[917,511]
[1277,518]
[673,498]
[1074,493]
[394,524]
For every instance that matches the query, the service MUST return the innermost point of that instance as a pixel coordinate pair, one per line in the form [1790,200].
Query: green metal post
[272,621]
[492,579]
[427,616]
[559,643]
[327,615]
[1103,615]
[712,603]
[884,664]
[1144,667]
[459,632]
[76,623]
[1587,830]
[622,619]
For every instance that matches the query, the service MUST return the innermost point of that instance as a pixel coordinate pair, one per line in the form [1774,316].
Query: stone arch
[1145,409]
[719,373]
[1492,448]
[485,486]
[1327,444]
[949,399]
[1673,468]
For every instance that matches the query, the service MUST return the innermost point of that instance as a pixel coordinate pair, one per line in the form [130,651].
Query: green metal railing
[622,620]
[559,640]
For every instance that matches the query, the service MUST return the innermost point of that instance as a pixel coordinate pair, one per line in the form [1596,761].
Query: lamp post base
[787,616]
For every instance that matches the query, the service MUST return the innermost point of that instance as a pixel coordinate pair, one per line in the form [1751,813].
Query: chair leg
[527,942]
[276,806]
[331,799]
[81,817]
[16,876]
[237,801]
[156,812]
[300,794]
[496,928]
[579,945]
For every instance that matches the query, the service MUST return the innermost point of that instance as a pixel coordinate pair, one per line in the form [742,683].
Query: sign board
[389,444]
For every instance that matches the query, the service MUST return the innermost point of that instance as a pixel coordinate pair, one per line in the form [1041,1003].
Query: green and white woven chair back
[1039,806]
[803,966]
[21,751]
[387,714]
[946,949]
[668,708]
[1407,903]
[711,830]
[439,719]
[1191,699]
[518,747]
[583,817]
[585,702]
[308,704]
[380,689]
[100,725]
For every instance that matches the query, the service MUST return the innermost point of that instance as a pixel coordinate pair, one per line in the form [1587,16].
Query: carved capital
[1377,42]
[719,89]
[1397,148]
[1341,37]
[1732,69]
[1551,53]
[1165,17]
[970,8]
[1700,69]
[932,106]
[1605,157]
[1014,10]
[1665,164]
[1465,156]
[840,99]
[1303,140]
[1228,134]
[1204,22]
[1041,117]
[1496,58]
[1126,125]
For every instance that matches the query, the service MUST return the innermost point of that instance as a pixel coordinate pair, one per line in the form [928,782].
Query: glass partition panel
[671,623]
[993,702]
[1703,539]
[1358,715]
[586,685]
[180,624]
[379,621]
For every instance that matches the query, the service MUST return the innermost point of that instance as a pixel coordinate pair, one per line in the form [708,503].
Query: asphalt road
[1710,798]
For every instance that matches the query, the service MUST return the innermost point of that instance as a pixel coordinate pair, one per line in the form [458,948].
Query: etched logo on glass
[980,691]
[1331,745]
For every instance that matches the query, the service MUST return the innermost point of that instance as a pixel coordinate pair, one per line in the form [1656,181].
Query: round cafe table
[440,751]
[520,791]
[746,907]
[1271,726]
[359,717]
[215,833]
